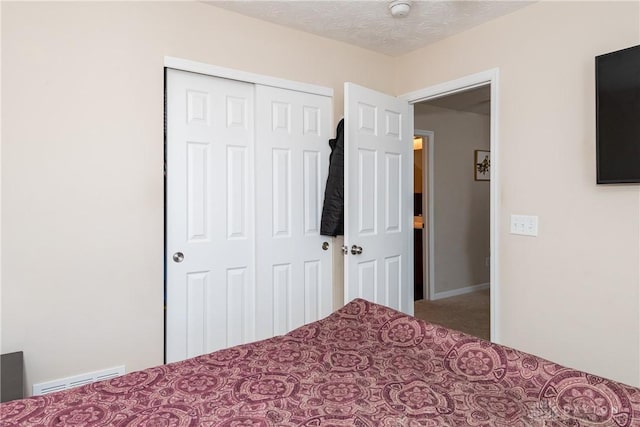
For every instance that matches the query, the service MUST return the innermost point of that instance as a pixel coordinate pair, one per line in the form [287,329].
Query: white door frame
[483,78]
[427,255]
[244,76]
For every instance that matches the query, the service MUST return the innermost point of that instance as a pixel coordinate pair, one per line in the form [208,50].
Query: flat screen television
[618,116]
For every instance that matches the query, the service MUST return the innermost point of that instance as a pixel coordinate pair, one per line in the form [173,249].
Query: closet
[247,162]
[245,176]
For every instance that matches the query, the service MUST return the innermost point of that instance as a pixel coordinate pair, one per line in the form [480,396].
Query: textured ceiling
[369,24]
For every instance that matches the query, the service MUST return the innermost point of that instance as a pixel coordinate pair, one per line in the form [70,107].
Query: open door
[378,198]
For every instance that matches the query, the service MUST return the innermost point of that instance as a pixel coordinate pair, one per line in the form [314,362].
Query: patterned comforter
[365,365]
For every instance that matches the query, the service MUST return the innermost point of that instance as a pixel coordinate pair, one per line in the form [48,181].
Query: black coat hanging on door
[332,223]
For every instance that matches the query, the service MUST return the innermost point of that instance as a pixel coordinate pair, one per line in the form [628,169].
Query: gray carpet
[467,313]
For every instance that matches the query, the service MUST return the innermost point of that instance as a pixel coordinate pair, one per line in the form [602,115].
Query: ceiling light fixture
[400,8]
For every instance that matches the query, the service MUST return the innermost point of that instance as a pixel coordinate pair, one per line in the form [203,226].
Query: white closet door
[292,162]
[378,198]
[210,214]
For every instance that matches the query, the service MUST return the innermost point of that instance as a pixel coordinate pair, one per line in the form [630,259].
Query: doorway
[422,156]
[451,274]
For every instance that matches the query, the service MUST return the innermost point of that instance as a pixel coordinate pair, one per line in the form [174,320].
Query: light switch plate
[526,225]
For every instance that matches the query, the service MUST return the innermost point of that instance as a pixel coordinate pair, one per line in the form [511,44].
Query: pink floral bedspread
[365,365]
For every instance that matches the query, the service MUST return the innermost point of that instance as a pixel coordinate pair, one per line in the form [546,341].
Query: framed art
[481,165]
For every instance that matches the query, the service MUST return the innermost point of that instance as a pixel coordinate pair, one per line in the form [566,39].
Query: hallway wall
[461,205]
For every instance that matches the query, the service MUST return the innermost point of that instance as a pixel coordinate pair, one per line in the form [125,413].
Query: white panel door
[210,214]
[378,198]
[292,162]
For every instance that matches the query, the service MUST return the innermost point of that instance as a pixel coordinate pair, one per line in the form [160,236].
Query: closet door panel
[210,210]
[292,161]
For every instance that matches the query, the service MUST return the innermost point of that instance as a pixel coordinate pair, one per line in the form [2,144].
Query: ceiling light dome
[400,8]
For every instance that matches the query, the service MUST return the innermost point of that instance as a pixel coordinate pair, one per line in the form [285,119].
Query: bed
[364,365]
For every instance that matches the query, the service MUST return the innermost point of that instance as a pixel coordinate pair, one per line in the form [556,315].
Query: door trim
[431,279]
[244,76]
[490,77]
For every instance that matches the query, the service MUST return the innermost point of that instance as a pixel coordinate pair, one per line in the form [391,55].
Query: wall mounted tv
[618,116]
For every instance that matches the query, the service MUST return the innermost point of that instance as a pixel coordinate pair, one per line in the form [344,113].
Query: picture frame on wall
[482,165]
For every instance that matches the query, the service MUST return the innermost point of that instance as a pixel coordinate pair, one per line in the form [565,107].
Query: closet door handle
[325,246]
[356,250]
[178,257]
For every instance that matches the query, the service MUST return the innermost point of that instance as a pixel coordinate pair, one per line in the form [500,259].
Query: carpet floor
[468,313]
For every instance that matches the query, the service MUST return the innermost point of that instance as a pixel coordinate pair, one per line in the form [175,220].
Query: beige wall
[461,205]
[82,184]
[572,293]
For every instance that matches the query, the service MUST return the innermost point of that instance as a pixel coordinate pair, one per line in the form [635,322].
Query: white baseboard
[459,291]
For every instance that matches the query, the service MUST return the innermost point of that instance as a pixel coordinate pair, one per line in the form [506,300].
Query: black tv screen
[618,116]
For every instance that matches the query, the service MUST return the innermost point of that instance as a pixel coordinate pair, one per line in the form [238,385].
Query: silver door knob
[356,250]
[178,257]
[325,246]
